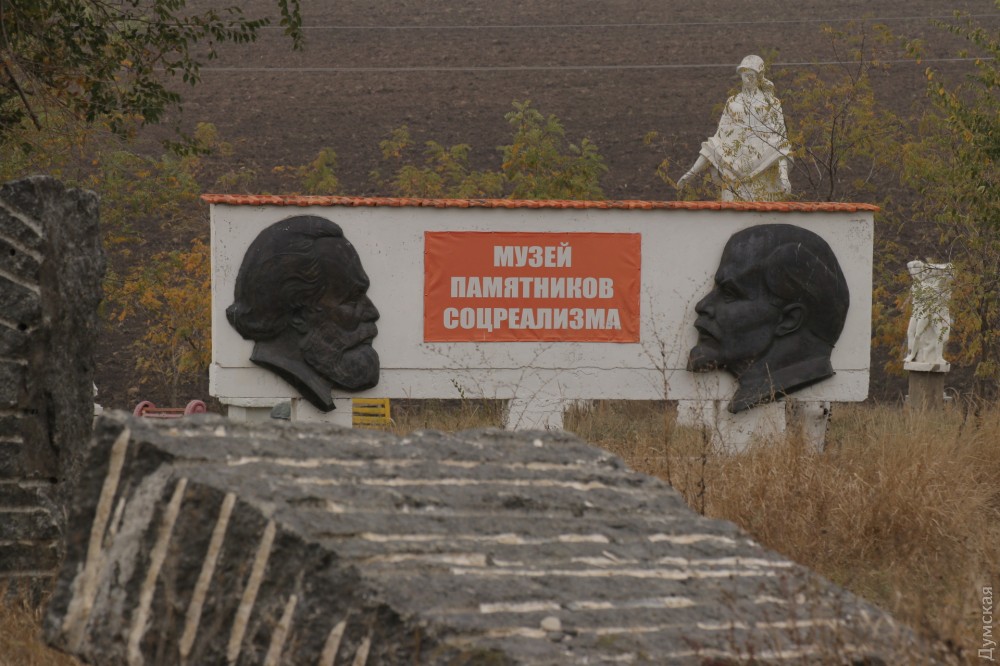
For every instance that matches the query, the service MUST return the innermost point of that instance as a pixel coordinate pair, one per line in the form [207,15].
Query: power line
[533,68]
[675,24]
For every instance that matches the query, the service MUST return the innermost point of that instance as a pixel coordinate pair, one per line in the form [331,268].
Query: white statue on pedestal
[750,153]
[930,321]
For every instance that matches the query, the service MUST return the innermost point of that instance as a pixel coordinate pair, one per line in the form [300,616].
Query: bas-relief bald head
[301,296]
[776,310]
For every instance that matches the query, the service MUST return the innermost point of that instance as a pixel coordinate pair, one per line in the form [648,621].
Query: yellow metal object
[370,412]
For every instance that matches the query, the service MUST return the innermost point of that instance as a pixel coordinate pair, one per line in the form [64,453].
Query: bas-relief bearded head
[301,296]
[776,310]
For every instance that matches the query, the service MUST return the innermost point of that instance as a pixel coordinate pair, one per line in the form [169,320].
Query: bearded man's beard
[353,369]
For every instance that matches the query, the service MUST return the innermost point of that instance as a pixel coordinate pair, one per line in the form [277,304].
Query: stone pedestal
[926,389]
[808,420]
[249,410]
[735,432]
[729,432]
[342,414]
[535,413]
[259,410]
[248,414]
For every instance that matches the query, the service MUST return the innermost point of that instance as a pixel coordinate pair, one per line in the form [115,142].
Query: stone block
[21,493]
[208,541]
[19,304]
[14,342]
[32,524]
[51,265]
[19,262]
[10,460]
[12,383]
[14,228]
[28,556]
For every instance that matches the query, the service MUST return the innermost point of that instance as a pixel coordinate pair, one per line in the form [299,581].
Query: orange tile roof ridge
[620,204]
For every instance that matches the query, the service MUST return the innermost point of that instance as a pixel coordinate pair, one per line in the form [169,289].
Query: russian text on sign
[509,286]
[535,256]
[489,319]
[532,287]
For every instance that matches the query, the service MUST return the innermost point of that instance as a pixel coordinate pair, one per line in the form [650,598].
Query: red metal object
[147,409]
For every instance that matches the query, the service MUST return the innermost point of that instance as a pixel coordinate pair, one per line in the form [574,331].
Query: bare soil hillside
[611,71]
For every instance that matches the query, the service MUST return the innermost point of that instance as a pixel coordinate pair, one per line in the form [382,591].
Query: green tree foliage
[170,294]
[317,177]
[112,61]
[445,172]
[846,142]
[137,191]
[538,163]
[954,167]
[160,289]
[320,178]
[78,76]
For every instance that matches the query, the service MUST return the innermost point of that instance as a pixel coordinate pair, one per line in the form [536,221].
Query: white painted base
[535,414]
[916,366]
[809,420]
[248,414]
[301,410]
[732,433]
[342,415]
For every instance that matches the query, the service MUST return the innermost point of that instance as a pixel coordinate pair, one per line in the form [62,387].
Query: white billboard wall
[681,243]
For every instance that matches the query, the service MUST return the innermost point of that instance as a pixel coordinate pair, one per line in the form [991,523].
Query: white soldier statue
[749,154]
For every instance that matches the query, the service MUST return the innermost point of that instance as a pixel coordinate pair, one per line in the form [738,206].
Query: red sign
[531,287]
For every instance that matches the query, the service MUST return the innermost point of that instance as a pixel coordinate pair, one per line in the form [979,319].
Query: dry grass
[902,509]
[20,639]
[446,415]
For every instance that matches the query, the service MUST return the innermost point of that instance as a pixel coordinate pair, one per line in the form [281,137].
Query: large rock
[211,542]
[50,272]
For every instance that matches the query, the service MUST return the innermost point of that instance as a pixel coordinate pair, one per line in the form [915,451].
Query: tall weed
[902,508]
